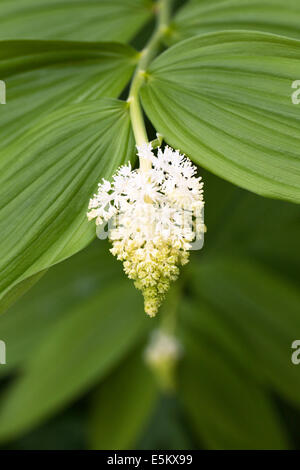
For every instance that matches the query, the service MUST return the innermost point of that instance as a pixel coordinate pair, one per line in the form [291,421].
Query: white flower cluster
[156,214]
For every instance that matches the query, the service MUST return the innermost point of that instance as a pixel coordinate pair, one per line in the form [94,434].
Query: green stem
[163,8]
[170,309]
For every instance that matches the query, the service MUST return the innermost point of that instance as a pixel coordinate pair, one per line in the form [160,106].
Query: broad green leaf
[79,350]
[265,230]
[227,410]
[123,405]
[79,20]
[247,225]
[168,427]
[210,326]
[18,291]
[262,308]
[47,178]
[205,16]
[42,76]
[27,323]
[224,99]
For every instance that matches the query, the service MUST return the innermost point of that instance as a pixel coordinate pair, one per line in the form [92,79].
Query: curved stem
[163,8]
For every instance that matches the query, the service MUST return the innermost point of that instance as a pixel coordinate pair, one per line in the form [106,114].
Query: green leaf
[42,76]
[208,325]
[262,308]
[18,291]
[27,323]
[123,405]
[47,178]
[225,100]
[243,223]
[79,20]
[227,410]
[78,351]
[167,428]
[267,231]
[205,16]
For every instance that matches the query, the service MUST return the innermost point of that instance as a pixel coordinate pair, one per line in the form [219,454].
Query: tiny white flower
[145,151]
[162,347]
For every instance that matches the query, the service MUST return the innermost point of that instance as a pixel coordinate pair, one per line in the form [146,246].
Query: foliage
[75,331]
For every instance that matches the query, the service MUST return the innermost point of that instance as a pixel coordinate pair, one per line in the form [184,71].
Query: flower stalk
[163,8]
[156,211]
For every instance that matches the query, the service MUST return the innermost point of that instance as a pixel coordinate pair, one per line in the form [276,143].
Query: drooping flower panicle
[155,215]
